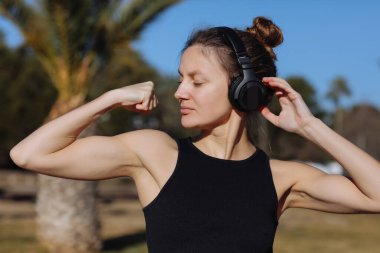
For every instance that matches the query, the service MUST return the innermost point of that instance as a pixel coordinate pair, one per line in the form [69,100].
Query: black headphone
[246,92]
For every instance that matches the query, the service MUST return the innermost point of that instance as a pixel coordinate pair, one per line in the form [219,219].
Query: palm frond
[137,15]
[18,12]
[33,27]
[74,39]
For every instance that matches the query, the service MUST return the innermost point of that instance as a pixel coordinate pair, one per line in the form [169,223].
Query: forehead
[200,60]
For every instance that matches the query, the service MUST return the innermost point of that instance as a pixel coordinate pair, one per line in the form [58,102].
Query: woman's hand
[138,97]
[294,115]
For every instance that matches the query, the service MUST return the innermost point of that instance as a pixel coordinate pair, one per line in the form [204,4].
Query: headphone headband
[239,49]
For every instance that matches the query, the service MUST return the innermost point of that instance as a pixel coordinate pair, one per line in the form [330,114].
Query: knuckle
[150,83]
[296,94]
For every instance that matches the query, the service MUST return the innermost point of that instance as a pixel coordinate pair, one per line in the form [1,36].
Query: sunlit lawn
[311,231]
[123,225]
[299,230]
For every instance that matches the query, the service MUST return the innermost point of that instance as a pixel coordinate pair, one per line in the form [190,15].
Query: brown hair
[259,41]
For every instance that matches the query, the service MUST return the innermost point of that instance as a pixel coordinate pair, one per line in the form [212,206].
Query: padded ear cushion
[249,96]
[233,97]
[267,95]
[255,95]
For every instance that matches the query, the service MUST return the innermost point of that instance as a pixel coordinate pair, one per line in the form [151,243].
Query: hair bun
[265,31]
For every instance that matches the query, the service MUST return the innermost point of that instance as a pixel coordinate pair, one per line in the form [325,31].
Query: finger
[139,107]
[287,91]
[143,105]
[284,100]
[274,79]
[148,83]
[271,117]
[146,103]
[294,103]
[151,102]
[277,82]
[279,85]
[155,101]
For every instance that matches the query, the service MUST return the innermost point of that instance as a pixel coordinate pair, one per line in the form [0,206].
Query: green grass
[18,236]
[311,231]
[299,231]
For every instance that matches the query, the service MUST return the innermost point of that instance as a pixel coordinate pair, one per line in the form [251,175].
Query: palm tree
[339,88]
[74,40]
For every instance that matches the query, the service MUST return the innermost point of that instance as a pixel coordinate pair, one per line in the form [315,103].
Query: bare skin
[149,156]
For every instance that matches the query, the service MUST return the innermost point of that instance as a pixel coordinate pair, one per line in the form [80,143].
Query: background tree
[73,41]
[286,145]
[26,95]
[355,118]
[338,89]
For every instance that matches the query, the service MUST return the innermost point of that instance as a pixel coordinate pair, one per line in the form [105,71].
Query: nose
[182,92]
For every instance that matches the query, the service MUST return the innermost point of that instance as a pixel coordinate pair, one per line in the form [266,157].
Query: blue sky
[323,39]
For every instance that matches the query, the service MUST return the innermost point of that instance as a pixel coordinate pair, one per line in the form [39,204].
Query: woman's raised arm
[314,189]
[55,149]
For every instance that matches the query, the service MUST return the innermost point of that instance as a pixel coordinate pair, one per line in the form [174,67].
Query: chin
[188,124]
[196,125]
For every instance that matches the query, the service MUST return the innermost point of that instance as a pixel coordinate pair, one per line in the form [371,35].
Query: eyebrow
[192,73]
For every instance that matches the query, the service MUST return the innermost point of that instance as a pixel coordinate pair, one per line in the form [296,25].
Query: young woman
[215,192]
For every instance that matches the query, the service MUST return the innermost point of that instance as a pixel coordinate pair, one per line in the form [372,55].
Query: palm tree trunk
[66,215]
[67,218]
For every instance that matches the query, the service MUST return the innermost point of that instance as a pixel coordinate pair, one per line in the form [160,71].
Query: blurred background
[56,55]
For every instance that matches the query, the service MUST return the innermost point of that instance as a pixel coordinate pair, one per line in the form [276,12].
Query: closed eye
[198,83]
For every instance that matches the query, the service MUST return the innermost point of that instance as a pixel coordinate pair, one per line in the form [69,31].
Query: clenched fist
[138,97]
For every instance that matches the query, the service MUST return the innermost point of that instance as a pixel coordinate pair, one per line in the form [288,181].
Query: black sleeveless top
[213,205]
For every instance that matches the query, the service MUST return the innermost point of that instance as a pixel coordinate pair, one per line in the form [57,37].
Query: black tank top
[213,205]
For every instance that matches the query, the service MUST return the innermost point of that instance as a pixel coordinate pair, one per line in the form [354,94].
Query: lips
[185,110]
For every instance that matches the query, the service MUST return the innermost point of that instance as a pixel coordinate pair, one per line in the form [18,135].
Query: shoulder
[157,152]
[147,139]
[150,146]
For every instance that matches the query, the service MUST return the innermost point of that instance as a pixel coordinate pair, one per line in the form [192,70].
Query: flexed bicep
[90,158]
[317,190]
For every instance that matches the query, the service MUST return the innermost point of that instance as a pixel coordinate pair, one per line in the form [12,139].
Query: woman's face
[203,89]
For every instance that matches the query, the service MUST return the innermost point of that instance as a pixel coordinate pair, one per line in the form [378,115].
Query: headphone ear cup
[267,95]
[233,97]
[250,95]
[255,95]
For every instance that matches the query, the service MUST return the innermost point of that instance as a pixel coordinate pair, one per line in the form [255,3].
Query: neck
[227,141]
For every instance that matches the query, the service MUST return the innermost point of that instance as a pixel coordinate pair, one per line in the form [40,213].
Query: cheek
[216,102]
[217,97]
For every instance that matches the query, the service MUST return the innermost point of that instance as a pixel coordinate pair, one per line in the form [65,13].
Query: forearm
[364,169]
[61,132]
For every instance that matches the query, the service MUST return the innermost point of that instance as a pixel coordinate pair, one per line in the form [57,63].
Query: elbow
[19,158]
[28,160]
